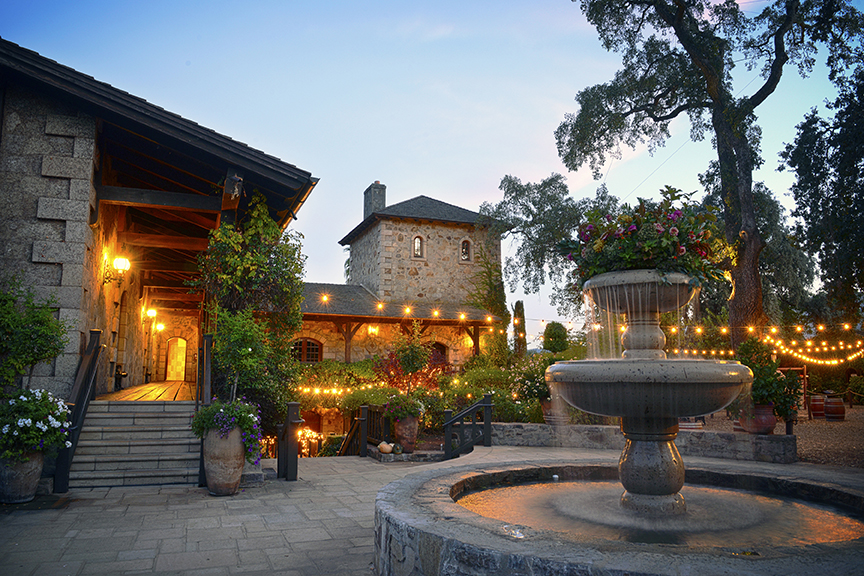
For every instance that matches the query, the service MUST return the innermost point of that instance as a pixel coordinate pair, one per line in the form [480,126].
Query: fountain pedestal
[645,389]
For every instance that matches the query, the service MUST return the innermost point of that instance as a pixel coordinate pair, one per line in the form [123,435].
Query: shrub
[555,337]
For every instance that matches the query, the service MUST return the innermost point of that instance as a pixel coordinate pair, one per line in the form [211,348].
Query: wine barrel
[834,409]
[817,406]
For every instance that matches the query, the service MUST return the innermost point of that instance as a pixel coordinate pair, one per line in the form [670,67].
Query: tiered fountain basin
[422,529]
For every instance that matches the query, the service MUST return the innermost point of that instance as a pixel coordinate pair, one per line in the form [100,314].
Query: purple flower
[675,215]
[632,228]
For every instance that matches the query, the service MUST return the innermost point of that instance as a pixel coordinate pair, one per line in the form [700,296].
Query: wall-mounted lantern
[116,271]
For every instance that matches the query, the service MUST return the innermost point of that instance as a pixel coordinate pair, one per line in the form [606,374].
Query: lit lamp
[116,271]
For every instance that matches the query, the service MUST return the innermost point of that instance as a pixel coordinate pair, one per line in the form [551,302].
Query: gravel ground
[819,441]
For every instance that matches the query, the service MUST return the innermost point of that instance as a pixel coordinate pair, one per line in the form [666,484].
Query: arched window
[439,350]
[465,251]
[417,247]
[306,350]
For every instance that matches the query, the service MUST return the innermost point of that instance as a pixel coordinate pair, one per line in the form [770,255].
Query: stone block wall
[365,345]
[46,201]
[382,260]
[779,449]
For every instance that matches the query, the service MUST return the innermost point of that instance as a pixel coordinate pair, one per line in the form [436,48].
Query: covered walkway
[169,391]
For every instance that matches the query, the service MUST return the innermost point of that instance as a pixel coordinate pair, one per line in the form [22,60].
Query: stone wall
[52,238]
[779,449]
[382,260]
[365,345]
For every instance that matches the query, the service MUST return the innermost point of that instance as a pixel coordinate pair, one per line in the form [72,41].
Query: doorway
[176,360]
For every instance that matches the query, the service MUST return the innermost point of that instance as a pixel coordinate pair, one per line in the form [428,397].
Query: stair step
[101,462]
[93,433]
[127,406]
[152,446]
[138,419]
[133,477]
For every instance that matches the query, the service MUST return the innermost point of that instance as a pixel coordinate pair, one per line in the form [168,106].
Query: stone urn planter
[224,459]
[761,421]
[406,433]
[19,480]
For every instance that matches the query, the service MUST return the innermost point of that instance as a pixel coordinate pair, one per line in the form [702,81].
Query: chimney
[374,199]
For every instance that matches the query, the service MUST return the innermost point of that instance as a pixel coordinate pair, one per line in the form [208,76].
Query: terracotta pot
[224,459]
[834,409]
[762,421]
[406,433]
[552,414]
[19,480]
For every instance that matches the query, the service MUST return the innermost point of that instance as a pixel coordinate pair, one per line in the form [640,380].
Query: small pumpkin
[385,448]
[397,448]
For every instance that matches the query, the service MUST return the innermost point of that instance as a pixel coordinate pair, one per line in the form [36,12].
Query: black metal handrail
[203,396]
[83,391]
[475,432]
[369,425]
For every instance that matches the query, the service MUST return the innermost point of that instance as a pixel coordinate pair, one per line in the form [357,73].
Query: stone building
[90,174]
[416,260]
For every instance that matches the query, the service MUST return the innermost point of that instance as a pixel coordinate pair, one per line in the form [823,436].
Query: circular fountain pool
[532,526]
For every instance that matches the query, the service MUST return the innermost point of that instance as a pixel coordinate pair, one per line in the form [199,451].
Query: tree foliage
[488,294]
[29,331]
[253,274]
[828,159]
[555,337]
[678,59]
[520,342]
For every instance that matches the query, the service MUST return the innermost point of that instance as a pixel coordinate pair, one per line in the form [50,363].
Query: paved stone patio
[320,525]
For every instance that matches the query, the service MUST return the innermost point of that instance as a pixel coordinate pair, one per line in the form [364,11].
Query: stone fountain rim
[640,276]
[651,371]
[423,505]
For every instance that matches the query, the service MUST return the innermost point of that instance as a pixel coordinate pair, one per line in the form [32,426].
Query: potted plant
[232,436]
[32,422]
[658,236]
[404,411]
[773,394]
[530,384]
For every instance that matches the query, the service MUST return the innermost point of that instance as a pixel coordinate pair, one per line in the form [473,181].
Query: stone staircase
[135,444]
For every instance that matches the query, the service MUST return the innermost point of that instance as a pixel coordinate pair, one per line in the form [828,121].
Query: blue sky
[437,98]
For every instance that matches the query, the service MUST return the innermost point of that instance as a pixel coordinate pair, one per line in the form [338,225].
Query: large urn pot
[224,459]
[19,480]
[645,389]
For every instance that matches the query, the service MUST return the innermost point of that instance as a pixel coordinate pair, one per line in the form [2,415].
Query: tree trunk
[735,155]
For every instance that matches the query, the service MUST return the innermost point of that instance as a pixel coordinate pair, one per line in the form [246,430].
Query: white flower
[54,422]
[38,394]
[22,397]
[6,429]
[68,444]
[24,422]
[67,424]
[41,426]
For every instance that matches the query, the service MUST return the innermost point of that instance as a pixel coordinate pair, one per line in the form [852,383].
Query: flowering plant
[401,406]
[652,235]
[32,421]
[226,417]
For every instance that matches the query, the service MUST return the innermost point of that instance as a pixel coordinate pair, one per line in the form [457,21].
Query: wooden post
[364,430]
[287,443]
[448,430]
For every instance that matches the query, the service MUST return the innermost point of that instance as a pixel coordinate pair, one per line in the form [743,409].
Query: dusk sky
[440,99]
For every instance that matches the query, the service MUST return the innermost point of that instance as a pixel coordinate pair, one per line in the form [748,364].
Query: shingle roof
[355,301]
[419,208]
[114,105]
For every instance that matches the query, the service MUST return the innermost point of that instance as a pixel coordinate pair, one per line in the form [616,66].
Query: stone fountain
[645,389]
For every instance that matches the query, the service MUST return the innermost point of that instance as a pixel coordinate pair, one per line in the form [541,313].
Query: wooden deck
[173,390]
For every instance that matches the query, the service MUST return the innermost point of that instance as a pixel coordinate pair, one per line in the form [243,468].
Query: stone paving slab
[320,525]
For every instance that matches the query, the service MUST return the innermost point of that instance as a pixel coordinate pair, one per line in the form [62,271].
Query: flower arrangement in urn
[404,411]
[32,423]
[232,435]
[672,235]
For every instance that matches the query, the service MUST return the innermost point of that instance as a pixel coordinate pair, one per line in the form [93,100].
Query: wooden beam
[176,297]
[164,241]
[347,330]
[156,266]
[157,199]
[160,283]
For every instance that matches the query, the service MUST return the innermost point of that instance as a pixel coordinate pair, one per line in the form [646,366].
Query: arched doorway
[175,368]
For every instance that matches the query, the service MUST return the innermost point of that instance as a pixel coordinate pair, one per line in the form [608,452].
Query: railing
[203,395]
[469,434]
[368,424]
[287,443]
[83,391]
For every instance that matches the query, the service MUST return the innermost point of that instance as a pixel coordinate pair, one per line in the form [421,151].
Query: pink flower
[673,231]
[682,250]
[659,227]
[632,228]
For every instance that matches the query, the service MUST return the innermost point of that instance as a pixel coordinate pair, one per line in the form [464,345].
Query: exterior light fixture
[325,298]
[116,271]
[462,316]
[407,310]
[372,330]
[435,313]
[160,327]
[380,305]
[151,313]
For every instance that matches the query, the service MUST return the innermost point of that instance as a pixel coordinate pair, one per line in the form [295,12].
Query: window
[465,251]
[439,353]
[306,350]
[417,247]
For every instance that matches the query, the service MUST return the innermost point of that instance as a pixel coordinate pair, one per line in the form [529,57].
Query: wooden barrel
[834,409]
[817,406]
